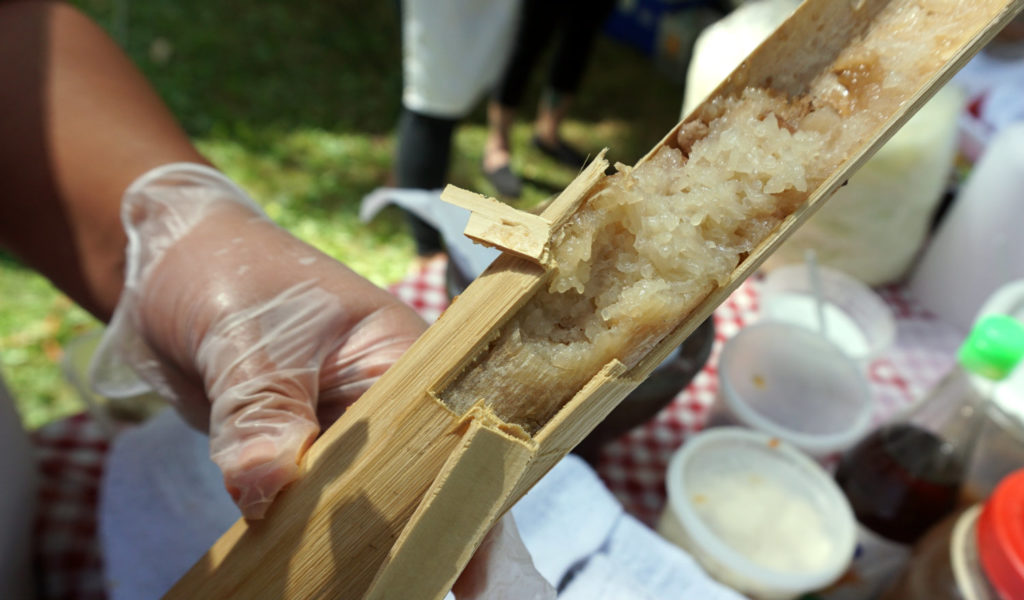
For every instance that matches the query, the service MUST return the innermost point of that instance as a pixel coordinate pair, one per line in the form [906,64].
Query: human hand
[252,334]
[502,569]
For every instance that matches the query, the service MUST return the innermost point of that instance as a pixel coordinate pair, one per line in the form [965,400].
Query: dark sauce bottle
[900,480]
[905,477]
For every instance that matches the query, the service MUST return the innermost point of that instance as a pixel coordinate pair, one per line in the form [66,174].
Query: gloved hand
[260,339]
[251,333]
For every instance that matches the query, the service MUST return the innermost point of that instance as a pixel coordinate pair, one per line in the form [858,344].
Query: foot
[497,151]
[505,181]
[497,171]
[560,151]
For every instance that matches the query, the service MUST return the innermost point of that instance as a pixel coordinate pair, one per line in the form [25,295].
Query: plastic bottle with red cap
[977,554]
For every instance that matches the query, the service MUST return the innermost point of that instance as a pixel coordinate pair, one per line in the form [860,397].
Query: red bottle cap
[1001,537]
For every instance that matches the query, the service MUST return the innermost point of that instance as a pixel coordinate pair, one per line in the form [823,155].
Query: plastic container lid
[994,347]
[758,514]
[792,383]
[1001,537]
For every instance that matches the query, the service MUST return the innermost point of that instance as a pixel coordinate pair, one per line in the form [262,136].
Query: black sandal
[561,152]
[505,181]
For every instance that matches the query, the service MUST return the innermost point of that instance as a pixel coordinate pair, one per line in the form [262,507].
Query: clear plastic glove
[260,339]
[252,334]
[502,569]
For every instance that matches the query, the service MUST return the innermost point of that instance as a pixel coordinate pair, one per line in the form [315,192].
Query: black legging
[424,146]
[577,21]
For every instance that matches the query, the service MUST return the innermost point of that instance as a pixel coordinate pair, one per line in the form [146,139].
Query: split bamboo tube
[395,496]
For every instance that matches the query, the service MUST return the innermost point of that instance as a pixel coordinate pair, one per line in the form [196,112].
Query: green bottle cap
[994,347]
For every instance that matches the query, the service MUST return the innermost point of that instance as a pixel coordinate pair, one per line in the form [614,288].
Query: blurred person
[451,55]
[575,23]
[253,335]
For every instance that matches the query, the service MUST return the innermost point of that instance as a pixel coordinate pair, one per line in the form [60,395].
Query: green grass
[297,102]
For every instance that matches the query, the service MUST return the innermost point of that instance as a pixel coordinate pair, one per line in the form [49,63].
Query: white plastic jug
[978,246]
[872,228]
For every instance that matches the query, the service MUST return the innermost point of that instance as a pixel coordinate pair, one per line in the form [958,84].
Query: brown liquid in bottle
[901,480]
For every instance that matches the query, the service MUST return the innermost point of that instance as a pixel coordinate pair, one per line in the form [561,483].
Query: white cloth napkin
[448,219]
[585,544]
[163,504]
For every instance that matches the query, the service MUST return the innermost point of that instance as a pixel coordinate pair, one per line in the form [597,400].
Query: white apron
[453,51]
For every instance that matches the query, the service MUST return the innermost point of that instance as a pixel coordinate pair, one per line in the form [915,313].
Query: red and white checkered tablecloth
[70,455]
[71,452]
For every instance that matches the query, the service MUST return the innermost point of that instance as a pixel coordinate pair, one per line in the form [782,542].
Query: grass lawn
[297,102]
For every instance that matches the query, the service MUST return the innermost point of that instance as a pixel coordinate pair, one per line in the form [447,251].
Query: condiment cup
[790,382]
[757,514]
[857,319]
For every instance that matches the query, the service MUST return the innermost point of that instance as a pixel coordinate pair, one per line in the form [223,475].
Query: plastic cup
[106,411]
[757,514]
[789,382]
[856,318]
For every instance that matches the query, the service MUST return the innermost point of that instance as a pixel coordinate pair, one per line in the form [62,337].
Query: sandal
[505,181]
[561,152]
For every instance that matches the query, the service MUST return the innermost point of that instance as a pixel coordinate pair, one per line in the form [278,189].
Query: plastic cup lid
[994,347]
[1001,536]
[736,453]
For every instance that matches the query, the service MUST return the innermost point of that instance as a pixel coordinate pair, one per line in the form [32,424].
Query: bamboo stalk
[498,225]
[396,495]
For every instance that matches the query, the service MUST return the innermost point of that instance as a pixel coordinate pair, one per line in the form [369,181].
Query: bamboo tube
[498,225]
[396,495]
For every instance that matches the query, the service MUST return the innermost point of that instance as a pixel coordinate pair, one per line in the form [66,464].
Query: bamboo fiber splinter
[395,497]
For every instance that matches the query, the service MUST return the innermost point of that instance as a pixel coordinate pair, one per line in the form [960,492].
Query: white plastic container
[789,382]
[977,247]
[856,318]
[873,227]
[107,412]
[757,514]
